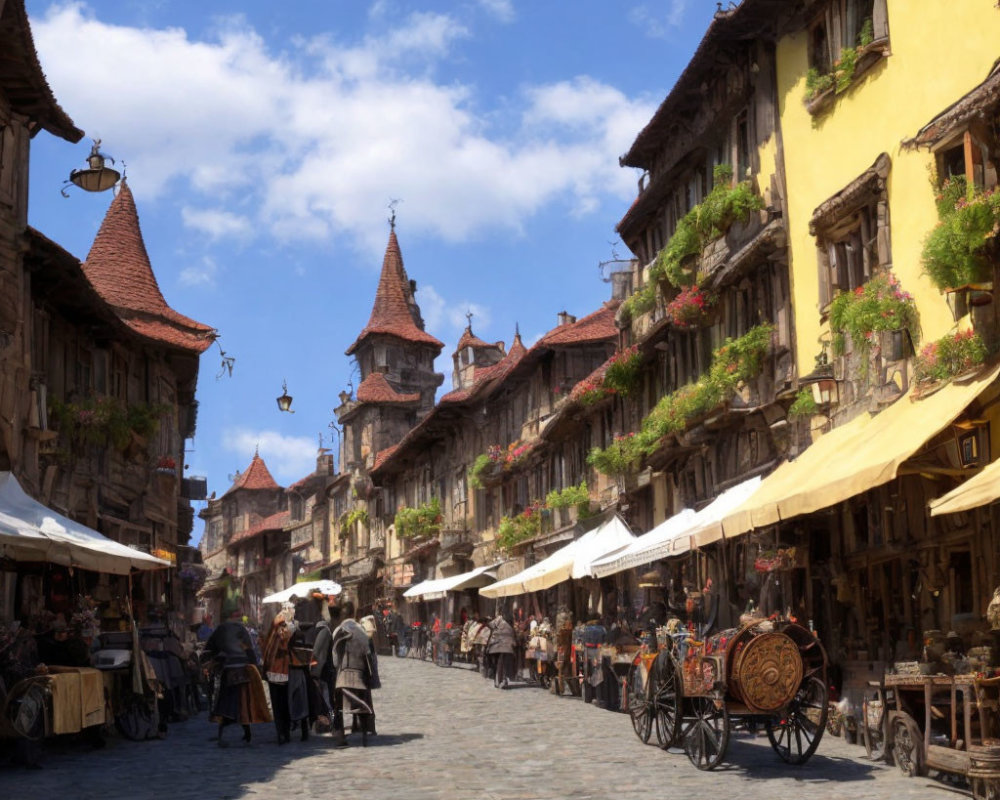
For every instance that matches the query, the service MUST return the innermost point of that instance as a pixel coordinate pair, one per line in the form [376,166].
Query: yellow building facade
[922,57]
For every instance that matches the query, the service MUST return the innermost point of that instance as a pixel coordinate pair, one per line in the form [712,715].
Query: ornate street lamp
[97,177]
[285,401]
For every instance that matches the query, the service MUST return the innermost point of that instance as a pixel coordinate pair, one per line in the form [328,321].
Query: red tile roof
[492,374]
[118,267]
[469,339]
[383,455]
[256,476]
[597,327]
[275,522]
[24,82]
[395,312]
[376,389]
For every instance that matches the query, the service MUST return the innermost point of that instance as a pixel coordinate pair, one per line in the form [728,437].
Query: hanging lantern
[98,177]
[285,401]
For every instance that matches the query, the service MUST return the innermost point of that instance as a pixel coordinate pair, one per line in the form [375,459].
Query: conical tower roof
[118,267]
[395,312]
[256,476]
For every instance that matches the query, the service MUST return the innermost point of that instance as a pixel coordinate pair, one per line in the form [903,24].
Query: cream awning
[859,455]
[438,589]
[575,560]
[673,536]
[977,491]
[30,531]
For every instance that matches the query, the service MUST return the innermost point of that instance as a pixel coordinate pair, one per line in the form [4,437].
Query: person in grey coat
[500,647]
[356,666]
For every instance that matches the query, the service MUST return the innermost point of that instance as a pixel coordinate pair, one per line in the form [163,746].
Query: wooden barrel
[765,669]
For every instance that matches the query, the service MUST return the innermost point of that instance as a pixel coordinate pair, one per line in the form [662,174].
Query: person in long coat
[500,646]
[325,673]
[276,666]
[356,663]
[240,697]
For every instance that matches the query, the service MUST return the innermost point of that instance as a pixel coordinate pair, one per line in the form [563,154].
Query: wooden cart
[767,673]
[947,723]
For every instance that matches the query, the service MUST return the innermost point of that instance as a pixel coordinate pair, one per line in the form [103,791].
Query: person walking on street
[356,663]
[240,697]
[276,671]
[500,646]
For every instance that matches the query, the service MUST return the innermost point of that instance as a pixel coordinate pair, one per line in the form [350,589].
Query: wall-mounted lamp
[285,401]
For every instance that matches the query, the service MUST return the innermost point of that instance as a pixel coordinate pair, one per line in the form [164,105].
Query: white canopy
[30,531]
[439,588]
[304,589]
[572,561]
[673,536]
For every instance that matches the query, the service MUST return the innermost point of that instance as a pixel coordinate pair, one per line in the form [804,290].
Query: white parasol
[304,589]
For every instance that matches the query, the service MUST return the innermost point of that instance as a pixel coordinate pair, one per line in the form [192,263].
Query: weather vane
[393,202]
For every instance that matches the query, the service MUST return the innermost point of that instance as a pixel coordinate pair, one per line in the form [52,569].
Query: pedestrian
[325,673]
[240,697]
[305,704]
[500,646]
[276,666]
[356,663]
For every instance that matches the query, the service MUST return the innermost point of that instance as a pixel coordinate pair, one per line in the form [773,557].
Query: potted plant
[166,465]
[691,307]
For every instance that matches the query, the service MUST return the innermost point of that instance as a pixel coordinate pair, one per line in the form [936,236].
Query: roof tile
[275,522]
[376,389]
[256,476]
[395,312]
[118,266]
[596,327]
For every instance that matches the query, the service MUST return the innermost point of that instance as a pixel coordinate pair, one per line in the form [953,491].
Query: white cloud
[657,24]
[216,222]
[288,458]
[202,274]
[503,10]
[312,141]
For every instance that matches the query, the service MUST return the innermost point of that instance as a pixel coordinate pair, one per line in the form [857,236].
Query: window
[842,23]
[971,155]
[852,233]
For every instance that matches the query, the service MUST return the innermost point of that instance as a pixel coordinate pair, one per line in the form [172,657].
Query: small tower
[472,355]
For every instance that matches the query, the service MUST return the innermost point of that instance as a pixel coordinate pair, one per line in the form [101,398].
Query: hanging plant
[949,356]
[520,528]
[877,306]
[622,374]
[691,307]
[351,518]
[424,520]
[804,405]
[957,251]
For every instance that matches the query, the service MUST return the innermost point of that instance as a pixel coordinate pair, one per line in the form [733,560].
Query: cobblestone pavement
[447,733]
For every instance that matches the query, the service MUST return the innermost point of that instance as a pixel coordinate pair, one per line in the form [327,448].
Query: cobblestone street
[447,733]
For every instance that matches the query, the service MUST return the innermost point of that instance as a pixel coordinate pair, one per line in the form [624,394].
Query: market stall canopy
[977,491]
[438,589]
[859,455]
[30,531]
[304,589]
[673,536]
[573,560]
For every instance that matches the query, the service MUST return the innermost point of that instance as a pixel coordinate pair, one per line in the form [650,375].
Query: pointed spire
[119,269]
[395,311]
[256,476]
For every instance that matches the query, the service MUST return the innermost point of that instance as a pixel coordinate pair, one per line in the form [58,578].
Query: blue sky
[264,142]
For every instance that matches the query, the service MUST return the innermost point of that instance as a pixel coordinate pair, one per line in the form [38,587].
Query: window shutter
[823,262]
[880,21]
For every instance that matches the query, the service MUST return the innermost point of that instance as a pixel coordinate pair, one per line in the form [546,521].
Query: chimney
[413,286]
[565,318]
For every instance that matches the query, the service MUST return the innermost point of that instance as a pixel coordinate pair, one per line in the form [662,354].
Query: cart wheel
[24,709]
[706,735]
[138,721]
[904,748]
[796,734]
[985,789]
[640,709]
[667,700]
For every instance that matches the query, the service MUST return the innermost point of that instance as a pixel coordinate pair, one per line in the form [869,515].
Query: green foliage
[570,496]
[842,74]
[949,356]
[879,305]
[817,83]
[424,520]
[104,421]
[867,34]
[350,518]
[804,405]
[622,374]
[843,69]
[736,361]
[482,463]
[641,301]
[956,252]
[520,528]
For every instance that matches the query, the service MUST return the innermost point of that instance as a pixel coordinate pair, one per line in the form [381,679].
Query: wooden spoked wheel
[639,703]
[706,733]
[668,697]
[904,747]
[795,734]
[985,789]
